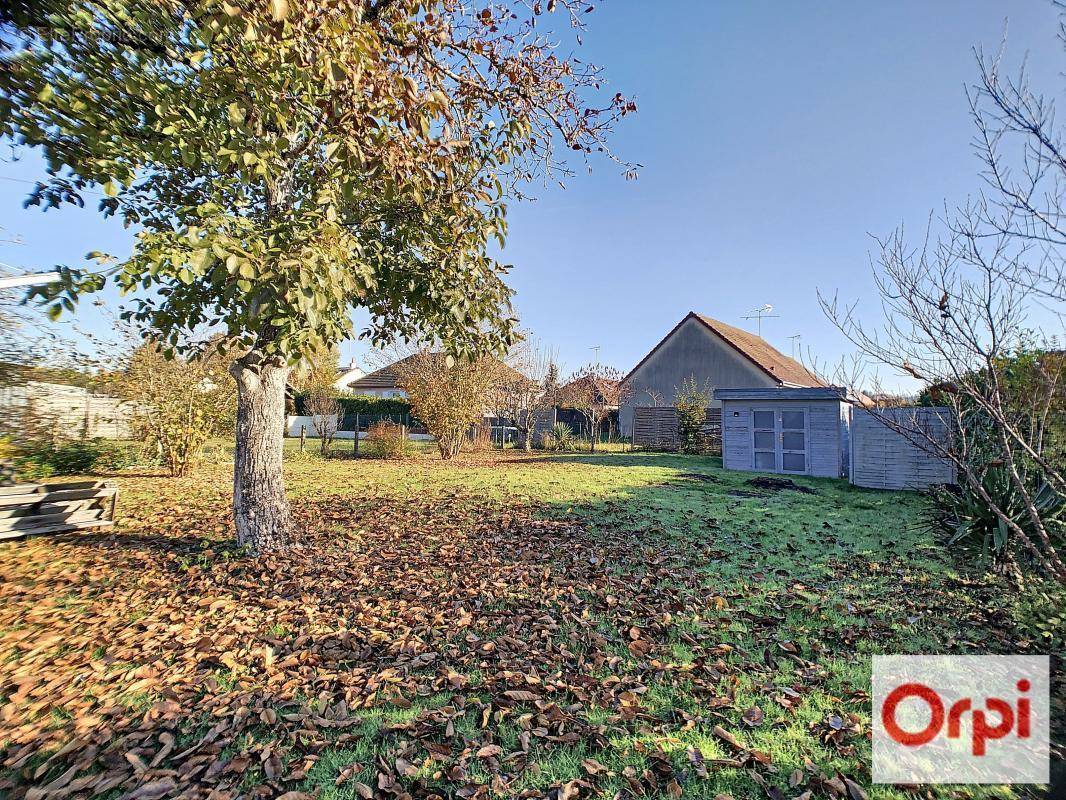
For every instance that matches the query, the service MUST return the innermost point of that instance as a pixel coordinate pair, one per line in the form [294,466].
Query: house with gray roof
[382,382]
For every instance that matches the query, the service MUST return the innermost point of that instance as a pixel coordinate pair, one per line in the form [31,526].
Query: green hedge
[363,404]
[76,457]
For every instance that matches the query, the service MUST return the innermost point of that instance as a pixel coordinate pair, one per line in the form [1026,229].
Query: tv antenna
[596,348]
[795,340]
[761,313]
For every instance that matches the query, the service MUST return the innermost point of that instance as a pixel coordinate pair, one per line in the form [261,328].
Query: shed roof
[782,393]
[786,371]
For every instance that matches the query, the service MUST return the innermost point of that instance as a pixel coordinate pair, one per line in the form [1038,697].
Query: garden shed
[794,431]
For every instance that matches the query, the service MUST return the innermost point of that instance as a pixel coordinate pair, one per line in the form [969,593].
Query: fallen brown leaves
[154,660]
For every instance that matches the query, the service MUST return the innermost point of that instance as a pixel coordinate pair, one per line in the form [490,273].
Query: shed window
[765,461]
[764,420]
[792,420]
[793,462]
[792,440]
[764,440]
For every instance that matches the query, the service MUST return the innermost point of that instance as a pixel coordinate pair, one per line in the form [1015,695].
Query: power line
[38,183]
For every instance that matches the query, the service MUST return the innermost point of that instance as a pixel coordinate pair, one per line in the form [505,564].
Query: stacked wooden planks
[31,509]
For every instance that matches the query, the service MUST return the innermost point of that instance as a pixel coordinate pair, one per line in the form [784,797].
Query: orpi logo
[960,719]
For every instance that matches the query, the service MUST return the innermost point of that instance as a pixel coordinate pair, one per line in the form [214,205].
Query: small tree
[322,406]
[524,388]
[691,399]
[447,394]
[180,403]
[551,380]
[315,376]
[595,391]
[958,319]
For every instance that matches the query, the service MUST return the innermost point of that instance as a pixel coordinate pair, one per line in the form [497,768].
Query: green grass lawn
[507,625]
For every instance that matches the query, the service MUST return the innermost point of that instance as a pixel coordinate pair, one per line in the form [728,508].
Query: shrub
[385,440]
[181,402]
[691,401]
[560,438]
[447,394]
[360,404]
[970,521]
[117,455]
[33,468]
[1041,611]
[76,457]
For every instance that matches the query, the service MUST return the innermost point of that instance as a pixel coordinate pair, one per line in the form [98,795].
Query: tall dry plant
[447,394]
[318,374]
[524,391]
[181,403]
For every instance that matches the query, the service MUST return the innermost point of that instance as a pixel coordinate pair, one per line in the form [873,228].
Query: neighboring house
[379,383]
[717,356]
[348,375]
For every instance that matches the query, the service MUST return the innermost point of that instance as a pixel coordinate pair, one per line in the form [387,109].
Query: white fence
[73,410]
[295,422]
[890,448]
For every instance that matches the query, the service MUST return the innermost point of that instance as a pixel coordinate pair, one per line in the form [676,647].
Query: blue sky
[775,138]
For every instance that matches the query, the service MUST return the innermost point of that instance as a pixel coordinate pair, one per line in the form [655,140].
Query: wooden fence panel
[656,428]
[884,458]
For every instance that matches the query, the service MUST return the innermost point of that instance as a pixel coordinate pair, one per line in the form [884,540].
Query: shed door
[779,440]
[794,440]
[764,426]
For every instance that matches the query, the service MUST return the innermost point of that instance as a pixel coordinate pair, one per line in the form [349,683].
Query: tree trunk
[592,435]
[260,510]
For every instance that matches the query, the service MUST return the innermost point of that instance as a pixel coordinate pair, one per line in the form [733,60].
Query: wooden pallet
[31,509]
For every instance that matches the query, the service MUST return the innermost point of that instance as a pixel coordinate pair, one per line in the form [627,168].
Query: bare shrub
[322,406]
[385,439]
[594,391]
